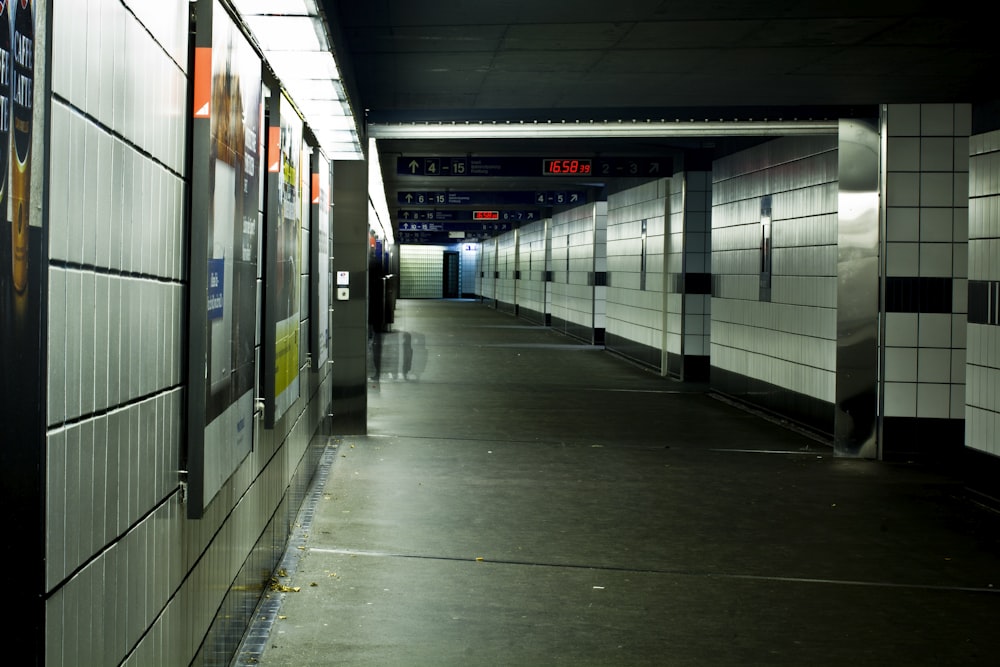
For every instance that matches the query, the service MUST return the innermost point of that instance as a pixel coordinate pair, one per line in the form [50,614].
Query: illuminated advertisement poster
[284,262]
[17,77]
[224,219]
[22,247]
[23,267]
[320,232]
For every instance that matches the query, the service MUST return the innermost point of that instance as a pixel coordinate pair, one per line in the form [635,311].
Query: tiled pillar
[572,270]
[688,282]
[531,263]
[982,412]
[925,281]
[599,276]
[349,318]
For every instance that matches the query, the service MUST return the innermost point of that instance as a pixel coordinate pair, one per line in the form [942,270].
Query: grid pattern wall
[507,266]
[130,580]
[488,266]
[600,265]
[469,259]
[634,301]
[421,272]
[531,253]
[982,412]
[573,265]
[926,259]
[675,243]
[788,341]
[689,248]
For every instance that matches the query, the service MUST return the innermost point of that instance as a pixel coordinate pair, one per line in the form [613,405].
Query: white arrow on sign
[409,198]
[414,165]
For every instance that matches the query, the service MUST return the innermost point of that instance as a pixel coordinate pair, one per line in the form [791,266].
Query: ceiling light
[618,129]
[276,7]
[277,33]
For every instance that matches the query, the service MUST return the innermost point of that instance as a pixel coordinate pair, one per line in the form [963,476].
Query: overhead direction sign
[441,238]
[492,198]
[491,227]
[545,165]
[521,215]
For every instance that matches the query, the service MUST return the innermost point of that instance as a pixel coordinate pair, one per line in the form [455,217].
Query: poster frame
[222,318]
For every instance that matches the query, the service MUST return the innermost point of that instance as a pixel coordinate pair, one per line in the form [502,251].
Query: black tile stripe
[689,283]
[984,302]
[918,295]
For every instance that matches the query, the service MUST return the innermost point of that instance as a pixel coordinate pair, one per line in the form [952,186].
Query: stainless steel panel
[857,289]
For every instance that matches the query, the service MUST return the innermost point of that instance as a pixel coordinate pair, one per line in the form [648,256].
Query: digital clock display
[559,166]
[486,215]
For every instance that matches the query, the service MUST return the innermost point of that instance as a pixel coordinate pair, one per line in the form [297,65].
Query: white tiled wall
[531,254]
[789,342]
[129,579]
[506,265]
[573,235]
[116,308]
[689,250]
[634,313]
[927,231]
[470,267]
[982,412]
[486,286]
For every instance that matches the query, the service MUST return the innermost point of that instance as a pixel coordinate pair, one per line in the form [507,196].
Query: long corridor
[525,500]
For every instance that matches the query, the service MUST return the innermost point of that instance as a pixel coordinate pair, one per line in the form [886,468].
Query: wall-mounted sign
[492,198]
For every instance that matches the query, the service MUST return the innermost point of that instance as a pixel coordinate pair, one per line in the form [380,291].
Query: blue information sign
[216,288]
[442,238]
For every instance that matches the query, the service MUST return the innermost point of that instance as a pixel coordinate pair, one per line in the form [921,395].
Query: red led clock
[558,166]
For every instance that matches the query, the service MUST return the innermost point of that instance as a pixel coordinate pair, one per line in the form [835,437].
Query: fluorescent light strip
[276,7]
[292,35]
[624,129]
[376,192]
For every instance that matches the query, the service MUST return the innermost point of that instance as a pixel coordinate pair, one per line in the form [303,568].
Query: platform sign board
[455,215]
[556,166]
[225,218]
[442,237]
[491,227]
[492,198]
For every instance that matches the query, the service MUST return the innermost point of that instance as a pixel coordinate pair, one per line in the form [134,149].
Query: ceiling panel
[516,60]
[558,37]
[408,39]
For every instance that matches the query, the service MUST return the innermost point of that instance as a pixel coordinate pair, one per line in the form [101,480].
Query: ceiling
[418,63]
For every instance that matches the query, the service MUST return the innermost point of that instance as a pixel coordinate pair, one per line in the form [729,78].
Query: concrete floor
[524,500]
